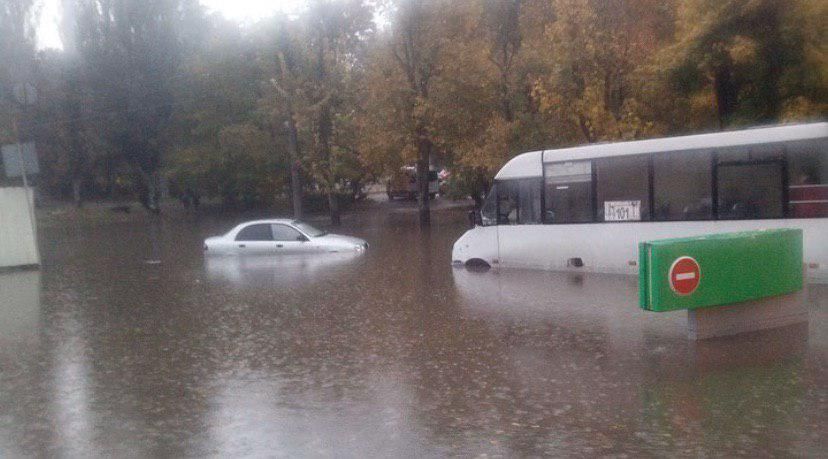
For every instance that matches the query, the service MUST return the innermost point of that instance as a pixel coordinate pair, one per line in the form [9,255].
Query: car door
[255,239]
[290,240]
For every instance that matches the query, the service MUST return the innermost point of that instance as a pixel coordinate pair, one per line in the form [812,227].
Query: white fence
[18,242]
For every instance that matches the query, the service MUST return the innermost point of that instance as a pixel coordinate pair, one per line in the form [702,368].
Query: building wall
[18,243]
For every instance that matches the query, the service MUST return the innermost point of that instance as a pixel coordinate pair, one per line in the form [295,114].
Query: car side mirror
[302,238]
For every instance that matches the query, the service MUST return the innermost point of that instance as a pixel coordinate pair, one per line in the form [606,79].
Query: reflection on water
[603,361]
[20,313]
[388,353]
[285,270]
[19,308]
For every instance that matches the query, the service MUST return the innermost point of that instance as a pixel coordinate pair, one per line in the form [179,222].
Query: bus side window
[749,190]
[682,186]
[568,192]
[508,192]
[622,185]
[530,201]
[519,201]
[808,179]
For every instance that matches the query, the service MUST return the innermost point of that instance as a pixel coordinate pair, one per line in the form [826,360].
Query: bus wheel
[477,264]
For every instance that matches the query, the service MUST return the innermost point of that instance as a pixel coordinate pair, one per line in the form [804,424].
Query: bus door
[520,233]
[481,241]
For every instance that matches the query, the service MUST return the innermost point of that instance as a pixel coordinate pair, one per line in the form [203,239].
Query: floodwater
[129,343]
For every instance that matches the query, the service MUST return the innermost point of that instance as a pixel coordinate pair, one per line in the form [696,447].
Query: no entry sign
[684,275]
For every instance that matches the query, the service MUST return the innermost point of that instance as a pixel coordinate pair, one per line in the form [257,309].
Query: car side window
[286,233]
[257,232]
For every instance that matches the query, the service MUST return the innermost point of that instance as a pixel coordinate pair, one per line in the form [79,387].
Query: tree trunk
[150,191]
[771,54]
[295,177]
[110,178]
[325,127]
[356,190]
[333,207]
[725,91]
[583,123]
[77,198]
[507,44]
[155,192]
[424,150]
[324,130]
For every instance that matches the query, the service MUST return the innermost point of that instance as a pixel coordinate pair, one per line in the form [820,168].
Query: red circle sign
[685,275]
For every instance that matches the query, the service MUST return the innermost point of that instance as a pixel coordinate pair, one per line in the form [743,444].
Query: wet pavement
[128,343]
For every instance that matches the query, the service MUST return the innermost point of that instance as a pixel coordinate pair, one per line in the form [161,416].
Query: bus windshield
[488,212]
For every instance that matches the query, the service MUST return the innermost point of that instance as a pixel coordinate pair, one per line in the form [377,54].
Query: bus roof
[529,164]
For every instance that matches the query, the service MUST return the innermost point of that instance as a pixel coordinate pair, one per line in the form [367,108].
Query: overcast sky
[240,10]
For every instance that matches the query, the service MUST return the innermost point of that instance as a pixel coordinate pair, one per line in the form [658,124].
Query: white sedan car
[271,237]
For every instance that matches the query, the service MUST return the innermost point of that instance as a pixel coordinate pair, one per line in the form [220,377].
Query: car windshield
[308,229]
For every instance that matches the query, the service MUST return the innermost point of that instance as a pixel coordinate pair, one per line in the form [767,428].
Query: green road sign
[719,269]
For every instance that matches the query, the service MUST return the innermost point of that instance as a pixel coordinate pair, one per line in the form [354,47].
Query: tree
[135,48]
[752,56]
[221,133]
[480,44]
[504,23]
[805,86]
[283,62]
[415,46]
[483,102]
[336,31]
[312,59]
[72,99]
[321,98]
[598,53]
[17,38]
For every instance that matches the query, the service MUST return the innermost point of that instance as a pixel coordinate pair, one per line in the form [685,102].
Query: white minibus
[588,207]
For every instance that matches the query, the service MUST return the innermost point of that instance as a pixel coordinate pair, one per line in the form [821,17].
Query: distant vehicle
[403,184]
[589,207]
[443,186]
[277,237]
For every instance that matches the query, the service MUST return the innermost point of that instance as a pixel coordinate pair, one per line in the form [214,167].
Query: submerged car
[280,236]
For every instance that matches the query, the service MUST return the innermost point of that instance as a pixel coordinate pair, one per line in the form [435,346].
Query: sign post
[729,283]
[26,95]
[19,148]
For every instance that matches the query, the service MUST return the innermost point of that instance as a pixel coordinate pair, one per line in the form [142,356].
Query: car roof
[286,221]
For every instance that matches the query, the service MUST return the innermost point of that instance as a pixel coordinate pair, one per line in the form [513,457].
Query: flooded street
[129,343]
